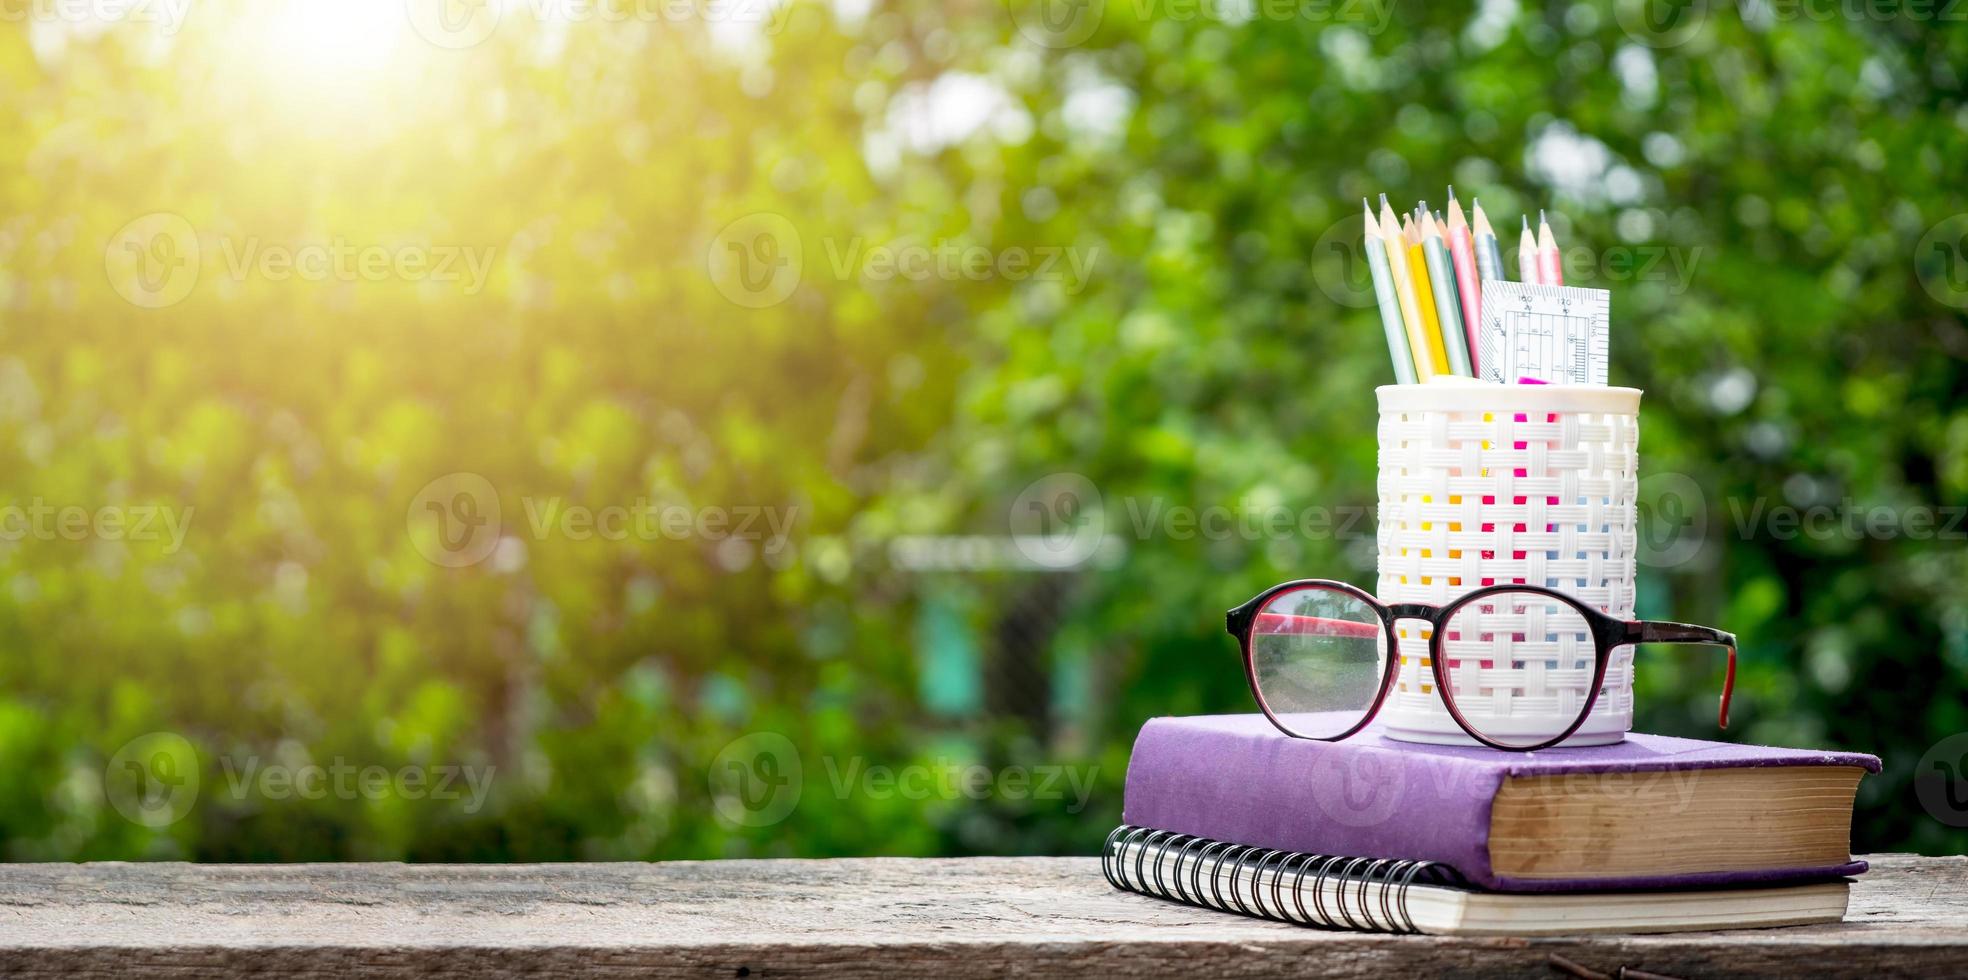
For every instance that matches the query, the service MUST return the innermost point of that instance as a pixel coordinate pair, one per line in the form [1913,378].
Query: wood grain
[975,917]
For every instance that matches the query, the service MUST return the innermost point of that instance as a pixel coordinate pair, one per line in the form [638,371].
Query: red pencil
[1551,267]
[1462,254]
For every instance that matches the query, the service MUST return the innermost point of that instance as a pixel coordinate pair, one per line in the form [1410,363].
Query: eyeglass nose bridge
[1413,610]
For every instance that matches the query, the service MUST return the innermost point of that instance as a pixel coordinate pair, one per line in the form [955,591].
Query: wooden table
[879,917]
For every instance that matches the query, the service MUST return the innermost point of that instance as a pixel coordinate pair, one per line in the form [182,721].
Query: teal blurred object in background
[834,428]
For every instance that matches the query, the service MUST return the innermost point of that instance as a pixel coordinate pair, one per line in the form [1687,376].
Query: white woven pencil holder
[1483,484]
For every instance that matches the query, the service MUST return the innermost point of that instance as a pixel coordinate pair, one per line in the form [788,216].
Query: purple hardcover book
[1236,778]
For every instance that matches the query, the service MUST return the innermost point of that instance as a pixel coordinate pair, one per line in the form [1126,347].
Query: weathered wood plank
[844,918]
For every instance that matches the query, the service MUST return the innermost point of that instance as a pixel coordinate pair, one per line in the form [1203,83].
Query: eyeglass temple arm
[1658,632]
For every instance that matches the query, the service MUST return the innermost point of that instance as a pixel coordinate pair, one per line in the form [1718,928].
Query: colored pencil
[1448,299]
[1390,236]
[1489,252]
[1527,255]
[1551,267]
[1390,307]
[1431,323]
[1462,253]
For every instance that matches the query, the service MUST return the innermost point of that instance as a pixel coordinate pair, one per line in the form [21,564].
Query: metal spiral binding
[1407,878]
[1141,854]
[1161,887]
[1196,872]
[1339,896]
[1257,883]
[1216,877]
[1195,875]
[1329,876]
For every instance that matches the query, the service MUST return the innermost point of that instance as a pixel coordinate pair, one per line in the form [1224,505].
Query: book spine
[1305,796]
[1304,889]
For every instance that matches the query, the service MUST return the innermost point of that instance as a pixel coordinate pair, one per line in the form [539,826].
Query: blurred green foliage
[1201,159]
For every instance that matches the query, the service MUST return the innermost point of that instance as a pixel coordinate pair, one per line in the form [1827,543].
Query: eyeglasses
[1316,654]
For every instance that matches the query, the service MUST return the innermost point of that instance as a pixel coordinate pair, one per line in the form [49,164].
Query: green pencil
[1390,308]
[1441,272]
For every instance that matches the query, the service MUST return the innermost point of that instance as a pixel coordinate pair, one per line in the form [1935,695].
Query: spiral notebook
[1426,897]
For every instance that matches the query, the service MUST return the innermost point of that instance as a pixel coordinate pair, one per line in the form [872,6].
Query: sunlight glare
[331,40]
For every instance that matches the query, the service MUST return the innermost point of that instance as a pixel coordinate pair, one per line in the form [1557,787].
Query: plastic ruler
[1557,334]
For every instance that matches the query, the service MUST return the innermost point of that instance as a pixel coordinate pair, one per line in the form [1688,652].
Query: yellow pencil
[1438,355]
[1397,247]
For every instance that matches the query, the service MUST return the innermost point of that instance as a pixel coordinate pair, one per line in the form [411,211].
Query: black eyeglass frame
[1607,634]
